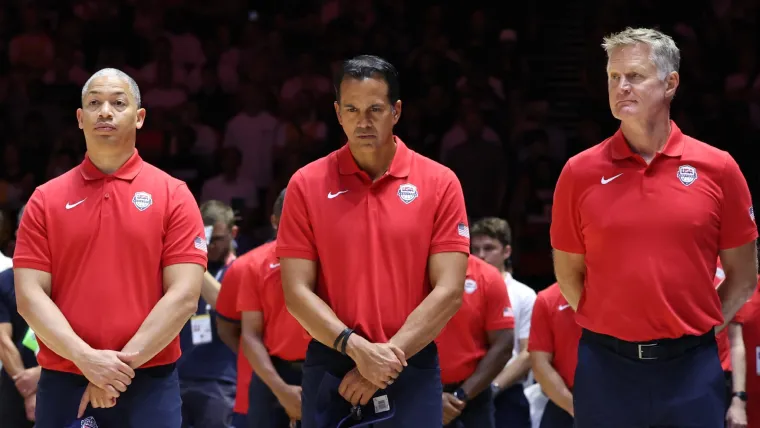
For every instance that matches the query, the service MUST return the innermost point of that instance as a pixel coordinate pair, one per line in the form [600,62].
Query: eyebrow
[113,93]
[373,105]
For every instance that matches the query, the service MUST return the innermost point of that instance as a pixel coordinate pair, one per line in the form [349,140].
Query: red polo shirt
[750,319]
[485,307]
[226,307]
[553,329]
[373,240]
[262,292]
[651,234]
[105,240]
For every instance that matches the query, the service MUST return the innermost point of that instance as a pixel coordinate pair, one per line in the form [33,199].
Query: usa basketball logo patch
[470,286]
[687,174]
[142,200]
[407,193]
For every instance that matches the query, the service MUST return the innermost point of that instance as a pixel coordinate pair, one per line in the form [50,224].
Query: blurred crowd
[239,93]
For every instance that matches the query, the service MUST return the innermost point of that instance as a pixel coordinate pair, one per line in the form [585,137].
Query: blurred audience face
[220,241]
[366,114]
[109,111]
[635,89]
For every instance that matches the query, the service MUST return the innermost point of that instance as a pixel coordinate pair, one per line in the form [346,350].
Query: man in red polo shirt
[373,244]
[553,347]
[228,327]
[109,262]
[474,347]
[273,341]
[638,223]
[750,315]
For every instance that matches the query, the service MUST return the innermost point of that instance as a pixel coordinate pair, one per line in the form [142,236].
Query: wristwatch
[461,395]
[495,388]
[740,395]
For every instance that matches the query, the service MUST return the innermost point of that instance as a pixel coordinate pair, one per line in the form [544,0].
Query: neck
[377,162]
[647,138]
[108,161]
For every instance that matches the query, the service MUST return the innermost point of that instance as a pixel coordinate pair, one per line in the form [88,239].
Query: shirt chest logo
[687,174]
[142,200]
[407,193]
[470,286]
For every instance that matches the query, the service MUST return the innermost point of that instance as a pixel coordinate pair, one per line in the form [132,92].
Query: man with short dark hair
[207,373]
[373,244]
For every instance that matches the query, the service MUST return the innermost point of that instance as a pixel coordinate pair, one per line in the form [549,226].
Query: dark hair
[493,227]
[366,67]
[279,203]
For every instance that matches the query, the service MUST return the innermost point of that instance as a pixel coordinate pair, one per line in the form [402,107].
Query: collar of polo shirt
[127,172]
[402,161]
[673,147]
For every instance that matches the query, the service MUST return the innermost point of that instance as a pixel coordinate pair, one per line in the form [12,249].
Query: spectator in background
[231,186]
[33,48]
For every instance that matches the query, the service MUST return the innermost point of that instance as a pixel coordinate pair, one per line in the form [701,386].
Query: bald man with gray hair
[638,224]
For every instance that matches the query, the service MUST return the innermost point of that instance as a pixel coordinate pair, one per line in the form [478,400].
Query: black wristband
[345,341]
[461,395]
[343,335]
[740,395]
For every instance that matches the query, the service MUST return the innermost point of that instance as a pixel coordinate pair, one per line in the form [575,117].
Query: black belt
[292,365]
[659,349]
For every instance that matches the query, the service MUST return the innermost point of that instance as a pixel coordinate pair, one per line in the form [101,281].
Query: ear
[234,232]
[140,118]
[507,252]
[337,111]
[80,113]
[396,111]
[672,81]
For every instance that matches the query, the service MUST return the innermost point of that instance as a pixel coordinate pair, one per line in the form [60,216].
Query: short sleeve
[737,220]
[527,301]
[226,301]
[185,239]
[249,292]
[498,314]
[295,236]
[451,232]
[541,335]
[32,246]
[565,230]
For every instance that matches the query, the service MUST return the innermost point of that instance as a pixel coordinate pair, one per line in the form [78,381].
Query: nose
[105,111]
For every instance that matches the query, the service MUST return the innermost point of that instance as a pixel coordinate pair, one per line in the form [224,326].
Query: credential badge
[407,193]
[142,200]
[88,422]
[470,286]
[687,174]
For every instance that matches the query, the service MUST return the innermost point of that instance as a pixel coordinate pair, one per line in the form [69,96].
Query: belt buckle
[641,347]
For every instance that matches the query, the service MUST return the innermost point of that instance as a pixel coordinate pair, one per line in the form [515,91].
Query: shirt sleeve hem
[745,238]
[228,319]
[185,258]
[568,248]
[540,348]
[501,325]
[249,308]
[449,247]
[296,253]
[31,264]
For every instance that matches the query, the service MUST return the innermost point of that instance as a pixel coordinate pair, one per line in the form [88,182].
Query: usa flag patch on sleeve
[200,244]
[463,230]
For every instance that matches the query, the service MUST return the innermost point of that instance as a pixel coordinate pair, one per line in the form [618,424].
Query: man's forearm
[258,357]
[515,370]
[210,289]
[161,326]
[553,386]
[10,356]
[50,326]
[738,358]
[571,287]
[425,323]
[313,314]
[490,366]
[734,293]
[229,333]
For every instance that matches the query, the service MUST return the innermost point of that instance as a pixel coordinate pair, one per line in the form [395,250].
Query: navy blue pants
[479,413]
[555,417]
[152,400]
[207,403]
[415,396]
[264,410]
[512,408]
[612,391]
[239,420]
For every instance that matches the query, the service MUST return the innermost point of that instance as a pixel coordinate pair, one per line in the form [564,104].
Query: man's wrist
[81,354]
[354,345]
[739,397]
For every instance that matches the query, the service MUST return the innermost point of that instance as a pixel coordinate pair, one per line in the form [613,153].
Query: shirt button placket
[107,210]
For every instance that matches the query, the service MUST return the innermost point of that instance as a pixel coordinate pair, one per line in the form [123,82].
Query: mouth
[626,102]
[104,127]
[366,137]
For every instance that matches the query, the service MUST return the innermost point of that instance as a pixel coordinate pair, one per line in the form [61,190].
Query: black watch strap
[461,395]
[740,395]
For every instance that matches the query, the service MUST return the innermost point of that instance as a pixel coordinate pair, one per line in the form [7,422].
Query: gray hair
[117,73]
[664,52]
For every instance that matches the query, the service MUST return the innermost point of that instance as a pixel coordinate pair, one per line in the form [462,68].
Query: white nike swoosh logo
[70,206]
[607,180]
[273,265]
[563,307]
[331,195]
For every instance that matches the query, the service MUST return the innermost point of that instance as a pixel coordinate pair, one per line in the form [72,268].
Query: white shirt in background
[522,298]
